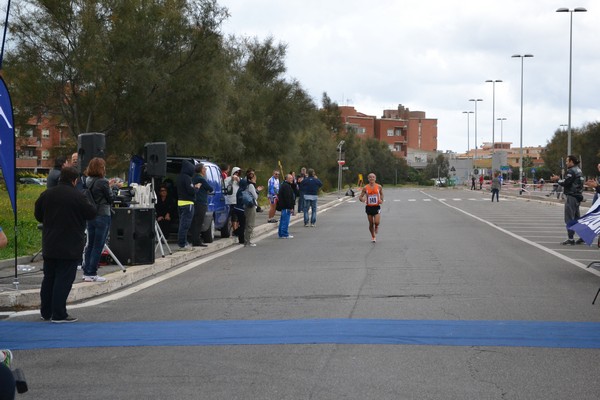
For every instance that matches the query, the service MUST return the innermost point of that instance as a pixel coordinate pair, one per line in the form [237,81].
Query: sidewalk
[29,282]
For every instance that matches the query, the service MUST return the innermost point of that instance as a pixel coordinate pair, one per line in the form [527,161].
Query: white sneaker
[250,245]
[187,247]
[95,278]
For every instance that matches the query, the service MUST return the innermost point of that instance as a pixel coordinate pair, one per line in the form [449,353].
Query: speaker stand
[115,259]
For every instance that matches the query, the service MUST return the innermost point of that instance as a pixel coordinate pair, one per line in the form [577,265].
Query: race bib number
[373,199]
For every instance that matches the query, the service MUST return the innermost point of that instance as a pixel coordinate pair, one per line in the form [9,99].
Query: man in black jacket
[63,210]
[573,190]
[286,201]
[186,193]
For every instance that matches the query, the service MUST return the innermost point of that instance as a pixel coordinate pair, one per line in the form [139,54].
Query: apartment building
[37,141]
[409,134]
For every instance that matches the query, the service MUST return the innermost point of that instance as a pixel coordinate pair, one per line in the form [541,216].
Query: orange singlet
[373,196]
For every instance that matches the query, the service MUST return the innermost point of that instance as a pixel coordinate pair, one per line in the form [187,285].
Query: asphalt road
[449,256]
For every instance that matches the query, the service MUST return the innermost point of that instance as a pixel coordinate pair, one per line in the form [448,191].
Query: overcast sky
[435,55]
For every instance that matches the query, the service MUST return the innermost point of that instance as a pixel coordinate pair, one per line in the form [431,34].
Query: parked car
[217,216]
[30,181]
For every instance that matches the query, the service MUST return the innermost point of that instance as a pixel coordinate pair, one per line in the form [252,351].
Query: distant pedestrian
[63,211]
[496,186]
[481,182]
[573,189]
[472,182]
[372,196]
[311,185]
[286,205]
[272,192]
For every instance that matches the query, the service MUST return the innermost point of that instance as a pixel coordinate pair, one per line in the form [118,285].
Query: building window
[398,132]
[29,132]
[45,133]
[17,132]
[361,130]
[390,132]
[45,155]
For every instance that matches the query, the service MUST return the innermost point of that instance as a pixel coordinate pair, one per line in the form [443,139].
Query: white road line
[534,244]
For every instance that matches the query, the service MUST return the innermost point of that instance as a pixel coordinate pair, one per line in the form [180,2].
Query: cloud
[434,55]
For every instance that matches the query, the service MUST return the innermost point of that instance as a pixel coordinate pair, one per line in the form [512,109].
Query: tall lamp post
[493,81]
[501,128]
[340,164]
[475,101]
[578,9]
[468,128]
[522,57]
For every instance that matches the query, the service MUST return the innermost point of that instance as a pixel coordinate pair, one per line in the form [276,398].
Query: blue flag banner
[588,226]
[7,144]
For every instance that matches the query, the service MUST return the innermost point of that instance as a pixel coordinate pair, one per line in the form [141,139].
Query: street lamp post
[340,165]
[578,9]
[468,133]
[475,101]
[501,128]
[493,81]
[522,57]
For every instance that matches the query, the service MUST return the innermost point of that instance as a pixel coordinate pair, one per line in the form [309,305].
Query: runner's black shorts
[372,210]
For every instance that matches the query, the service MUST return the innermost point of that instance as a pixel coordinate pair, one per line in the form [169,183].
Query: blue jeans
[186,215]
[97,232]
[284,223]
[312,204]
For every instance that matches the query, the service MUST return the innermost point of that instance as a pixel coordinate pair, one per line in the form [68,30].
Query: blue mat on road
[45,335]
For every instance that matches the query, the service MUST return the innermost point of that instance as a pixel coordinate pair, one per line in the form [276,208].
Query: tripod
[115,259]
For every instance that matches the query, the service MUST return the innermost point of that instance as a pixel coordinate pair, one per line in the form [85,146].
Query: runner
[372,196]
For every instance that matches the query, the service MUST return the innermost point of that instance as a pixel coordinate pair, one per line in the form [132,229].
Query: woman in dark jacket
[98,228]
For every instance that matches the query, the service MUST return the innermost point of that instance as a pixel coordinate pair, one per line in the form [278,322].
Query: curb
[30,298]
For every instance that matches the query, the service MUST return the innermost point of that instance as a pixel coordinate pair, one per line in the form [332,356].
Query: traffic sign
[341,162]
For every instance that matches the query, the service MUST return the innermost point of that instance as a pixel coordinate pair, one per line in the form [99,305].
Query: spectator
[63,211]
[311,185]
[250,211]
[286,204]
[75,164]
[97,228]
[299,180]
[203,189]
[186,194]
[165,210]
[239,209]
[595,184]
[480,181]
[472,182]
[573,189]
[59,163]
[273,191]
[232,185]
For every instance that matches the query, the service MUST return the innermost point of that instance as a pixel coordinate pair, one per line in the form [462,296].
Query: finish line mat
[46,335]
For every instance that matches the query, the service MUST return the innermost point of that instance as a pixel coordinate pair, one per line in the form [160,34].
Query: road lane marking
[521,238]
